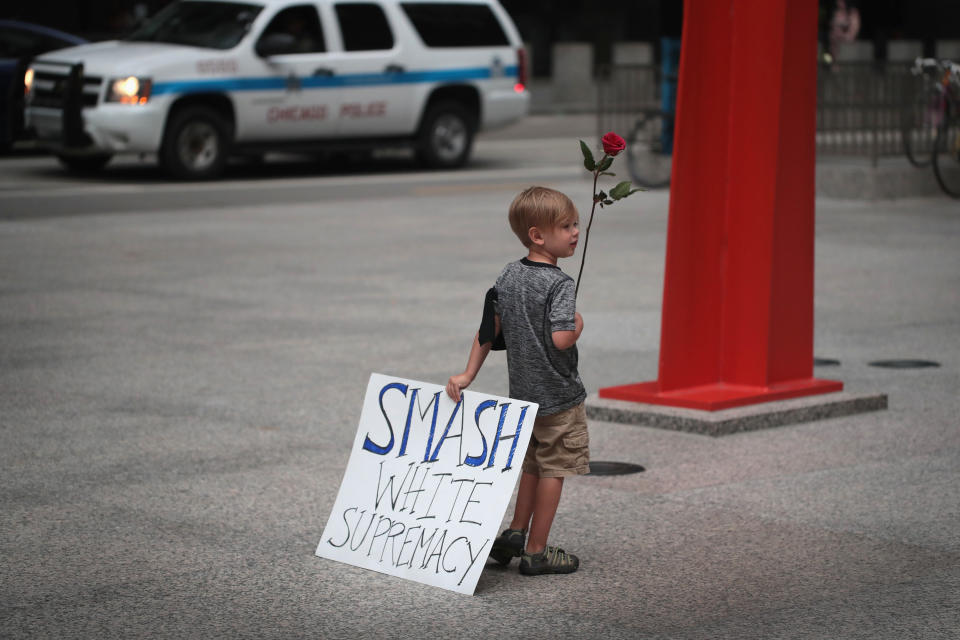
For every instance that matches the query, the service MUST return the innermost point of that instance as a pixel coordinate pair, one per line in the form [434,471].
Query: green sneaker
[550,560]
[509,545]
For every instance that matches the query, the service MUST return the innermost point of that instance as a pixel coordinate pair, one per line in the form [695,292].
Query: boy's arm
[565,339]
[478,353]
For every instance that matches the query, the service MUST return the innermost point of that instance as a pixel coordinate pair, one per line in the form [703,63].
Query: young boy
[531,312]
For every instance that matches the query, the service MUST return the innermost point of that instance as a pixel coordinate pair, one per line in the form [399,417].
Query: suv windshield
[212,25]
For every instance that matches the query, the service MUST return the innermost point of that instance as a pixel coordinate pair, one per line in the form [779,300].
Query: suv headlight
[28,81]
[131,90]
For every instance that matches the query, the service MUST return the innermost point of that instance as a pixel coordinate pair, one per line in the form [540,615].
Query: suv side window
[302,23]
[364,27]
[455,25]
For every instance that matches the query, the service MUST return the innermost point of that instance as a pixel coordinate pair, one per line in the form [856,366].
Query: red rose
[613,144]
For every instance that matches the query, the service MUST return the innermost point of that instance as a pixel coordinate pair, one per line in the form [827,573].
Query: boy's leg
[539,559]
[511,543]
[526,501]
[547,500]
[563,450]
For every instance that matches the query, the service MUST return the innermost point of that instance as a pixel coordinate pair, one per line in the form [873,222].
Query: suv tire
[446,136]
[196,144]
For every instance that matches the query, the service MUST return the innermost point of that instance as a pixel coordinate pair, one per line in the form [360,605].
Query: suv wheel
[446,136]
[196,144]
[84,164]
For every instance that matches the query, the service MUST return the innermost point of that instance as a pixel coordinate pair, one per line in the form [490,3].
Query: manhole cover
[825,362]
[613,468]
[904,364]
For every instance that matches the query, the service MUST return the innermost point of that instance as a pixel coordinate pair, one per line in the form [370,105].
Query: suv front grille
[50,90]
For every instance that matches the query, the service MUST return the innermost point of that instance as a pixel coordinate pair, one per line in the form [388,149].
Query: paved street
[182,368]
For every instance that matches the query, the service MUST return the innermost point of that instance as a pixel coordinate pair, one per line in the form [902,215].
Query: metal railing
[623,92]
[863,109]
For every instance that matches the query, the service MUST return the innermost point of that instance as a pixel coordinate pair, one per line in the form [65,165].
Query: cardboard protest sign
[427,482]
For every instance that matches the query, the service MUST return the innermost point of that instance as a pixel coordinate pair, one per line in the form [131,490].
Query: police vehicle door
[378,95]
[295,99]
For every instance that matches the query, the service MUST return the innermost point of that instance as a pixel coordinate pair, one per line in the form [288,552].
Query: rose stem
[586,239]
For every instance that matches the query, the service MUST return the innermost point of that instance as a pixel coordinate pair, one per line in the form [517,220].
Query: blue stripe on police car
[280,83]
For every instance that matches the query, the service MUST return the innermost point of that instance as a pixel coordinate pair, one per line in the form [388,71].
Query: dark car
[19,42]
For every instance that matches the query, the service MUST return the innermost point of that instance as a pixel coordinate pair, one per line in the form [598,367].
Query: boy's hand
[456,383]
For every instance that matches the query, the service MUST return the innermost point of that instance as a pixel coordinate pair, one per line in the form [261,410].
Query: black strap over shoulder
[488,325]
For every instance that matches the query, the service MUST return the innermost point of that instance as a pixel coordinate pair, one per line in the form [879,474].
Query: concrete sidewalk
[180,389]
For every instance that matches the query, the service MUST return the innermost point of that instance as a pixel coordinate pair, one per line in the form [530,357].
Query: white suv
[205,79]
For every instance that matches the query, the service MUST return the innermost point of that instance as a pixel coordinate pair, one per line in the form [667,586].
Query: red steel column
[737,322]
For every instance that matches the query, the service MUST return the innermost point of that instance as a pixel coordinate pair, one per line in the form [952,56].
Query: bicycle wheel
[946,157]
[919,123]
[648,163]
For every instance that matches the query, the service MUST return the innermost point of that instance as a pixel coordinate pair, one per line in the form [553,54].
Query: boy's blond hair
[539,207]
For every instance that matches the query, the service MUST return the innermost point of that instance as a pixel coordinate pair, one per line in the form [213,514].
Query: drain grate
[904,364]
[825,362]
[602,468]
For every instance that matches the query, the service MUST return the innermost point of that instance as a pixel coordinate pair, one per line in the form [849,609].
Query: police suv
[207,79]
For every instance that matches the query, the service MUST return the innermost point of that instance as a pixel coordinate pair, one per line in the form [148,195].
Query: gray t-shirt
[534,299]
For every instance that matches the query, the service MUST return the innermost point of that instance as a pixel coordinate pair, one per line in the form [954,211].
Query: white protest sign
[427,482]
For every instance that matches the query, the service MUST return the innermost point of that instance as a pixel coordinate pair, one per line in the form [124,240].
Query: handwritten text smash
[431,452]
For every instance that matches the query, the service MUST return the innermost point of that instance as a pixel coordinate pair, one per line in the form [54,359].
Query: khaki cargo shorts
[560,445]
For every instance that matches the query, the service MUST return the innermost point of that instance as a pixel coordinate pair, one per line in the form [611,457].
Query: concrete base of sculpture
[727,421]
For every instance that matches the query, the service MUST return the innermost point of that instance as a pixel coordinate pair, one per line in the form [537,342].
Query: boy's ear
[536,237]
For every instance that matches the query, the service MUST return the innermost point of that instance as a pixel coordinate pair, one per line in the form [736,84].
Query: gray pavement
[181,379]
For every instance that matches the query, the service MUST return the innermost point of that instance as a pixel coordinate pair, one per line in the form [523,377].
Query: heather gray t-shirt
[534,299]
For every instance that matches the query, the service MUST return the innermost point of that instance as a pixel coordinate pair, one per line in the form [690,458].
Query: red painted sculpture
[737,323]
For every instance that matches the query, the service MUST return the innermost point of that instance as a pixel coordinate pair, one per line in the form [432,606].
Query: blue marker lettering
[370,445]
[476,461]
[515,436]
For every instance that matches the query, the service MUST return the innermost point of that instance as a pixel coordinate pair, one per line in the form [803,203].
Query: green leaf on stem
[605,163]
[622,190]
[607,173]
[588,162]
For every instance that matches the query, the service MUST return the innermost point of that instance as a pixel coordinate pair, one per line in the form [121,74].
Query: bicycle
[946,146]
[930,125]
[922,116]
[650,141]
[650,149]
